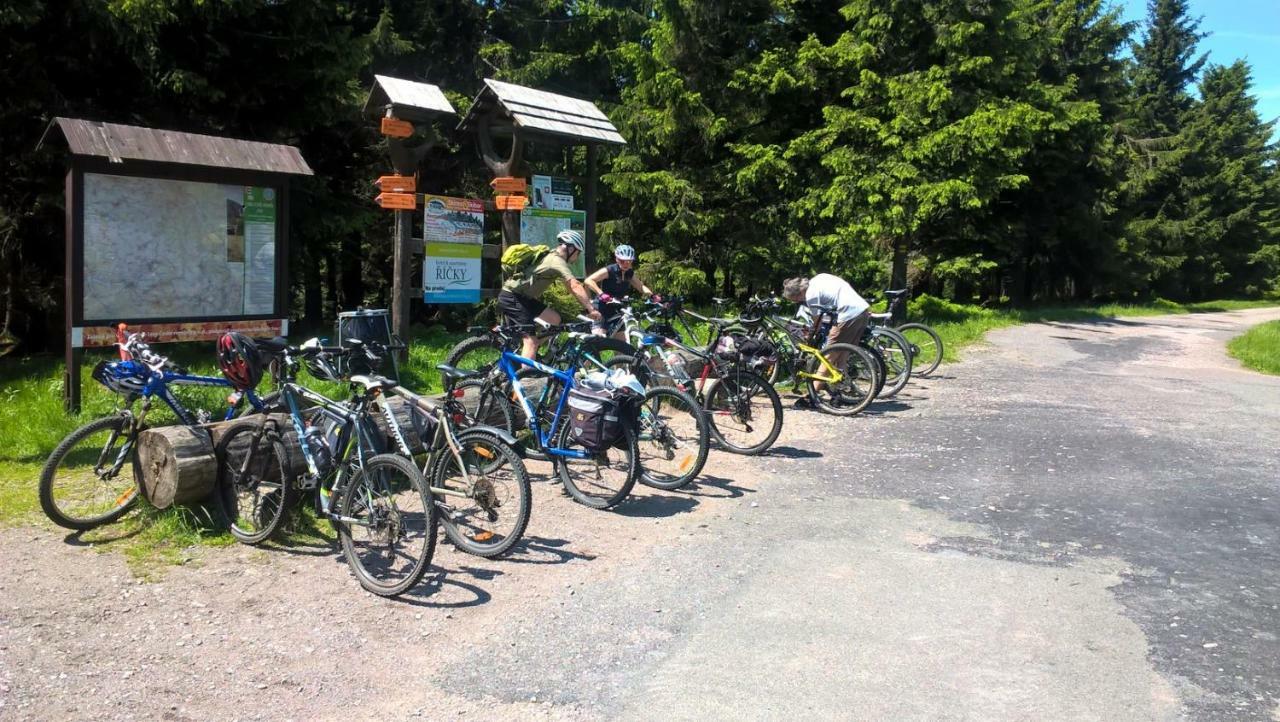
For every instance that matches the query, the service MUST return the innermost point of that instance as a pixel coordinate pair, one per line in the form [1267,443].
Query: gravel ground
[1078,521]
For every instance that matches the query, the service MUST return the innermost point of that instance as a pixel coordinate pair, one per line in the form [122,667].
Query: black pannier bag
[595,420]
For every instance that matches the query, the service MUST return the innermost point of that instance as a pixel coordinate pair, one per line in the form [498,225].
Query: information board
[161,248]
[540,225]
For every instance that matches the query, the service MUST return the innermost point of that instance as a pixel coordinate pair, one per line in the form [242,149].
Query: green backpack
[519,260]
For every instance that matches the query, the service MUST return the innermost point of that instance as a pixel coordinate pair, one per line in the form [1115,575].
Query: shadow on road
[656,506]
[436,582]
[715,487]
[791,452]
[542,550]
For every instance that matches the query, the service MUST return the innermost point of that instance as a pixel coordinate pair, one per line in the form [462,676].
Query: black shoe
[803,403]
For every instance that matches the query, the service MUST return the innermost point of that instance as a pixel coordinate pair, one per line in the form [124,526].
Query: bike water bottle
[678,371]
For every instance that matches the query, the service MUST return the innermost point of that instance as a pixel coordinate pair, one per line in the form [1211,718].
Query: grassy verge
[963,325]
[1259,348]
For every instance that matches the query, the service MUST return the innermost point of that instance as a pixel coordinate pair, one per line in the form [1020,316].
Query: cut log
[176,464]
[297,464]
[404,419]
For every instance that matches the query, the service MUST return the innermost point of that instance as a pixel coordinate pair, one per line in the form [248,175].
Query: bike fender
[502,434]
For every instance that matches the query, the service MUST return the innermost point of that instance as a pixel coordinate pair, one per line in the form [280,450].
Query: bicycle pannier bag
[594,421]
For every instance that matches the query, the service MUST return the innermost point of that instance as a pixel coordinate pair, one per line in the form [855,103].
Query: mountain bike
[925,343]
[476,478]
[801,358]
[744,410]
[599,478]
[378,502]
[84,483]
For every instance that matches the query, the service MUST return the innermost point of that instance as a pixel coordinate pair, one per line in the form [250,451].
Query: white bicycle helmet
[624,253]
[572,238]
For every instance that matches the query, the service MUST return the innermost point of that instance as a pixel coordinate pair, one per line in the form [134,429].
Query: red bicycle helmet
[239,360]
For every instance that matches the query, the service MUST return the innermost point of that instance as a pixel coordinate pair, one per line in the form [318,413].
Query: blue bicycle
[599,475]
[84,484]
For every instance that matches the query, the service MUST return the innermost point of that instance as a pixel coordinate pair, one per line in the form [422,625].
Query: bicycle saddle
[373,382]
[272,346]
[455,373]
[719,301]
[881,316]
[897,293]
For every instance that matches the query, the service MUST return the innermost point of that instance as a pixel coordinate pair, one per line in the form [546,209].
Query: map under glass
[158,248]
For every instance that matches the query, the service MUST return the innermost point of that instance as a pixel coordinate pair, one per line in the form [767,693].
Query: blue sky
[1248,29]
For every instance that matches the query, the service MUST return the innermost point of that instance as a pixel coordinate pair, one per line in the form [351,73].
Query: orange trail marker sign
[397,184]
[397,201]
[397,128]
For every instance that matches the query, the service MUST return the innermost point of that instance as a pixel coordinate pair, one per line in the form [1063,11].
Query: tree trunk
[176,464]
[312,308]
[352,293]
[898,274]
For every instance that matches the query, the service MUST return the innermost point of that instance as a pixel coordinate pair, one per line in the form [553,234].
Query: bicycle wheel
[485,511]
[388,530]
[84,483]
[673,440]
[253,490]
[486,406]
[926,347]
[856,388]
[474,354]
[745,412]
[605,477]
[878,361]
[896,353]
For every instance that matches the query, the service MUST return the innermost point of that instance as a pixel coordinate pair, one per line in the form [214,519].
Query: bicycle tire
[926,355]
[483,409]
[662,439]
[607,498]
[478,538]
[724,400]
[896,353]
[266,467]
[878,358]
[860,369]
[475,347]
[122,500]
[365,490]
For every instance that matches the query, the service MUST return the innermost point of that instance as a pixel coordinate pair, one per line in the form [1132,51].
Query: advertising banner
[453,220]
[452,273]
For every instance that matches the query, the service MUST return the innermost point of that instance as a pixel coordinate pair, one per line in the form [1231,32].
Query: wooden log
[297,463]
[404,418]
[177,465]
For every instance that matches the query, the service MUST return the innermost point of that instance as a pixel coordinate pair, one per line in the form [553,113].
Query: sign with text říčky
[451,273]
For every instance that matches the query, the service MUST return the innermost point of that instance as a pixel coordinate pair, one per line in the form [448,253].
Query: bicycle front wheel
[484,511]
[388,529]
[926,347]
[605,477]
[745,412]
[674,438]
[474,354]
[89,479]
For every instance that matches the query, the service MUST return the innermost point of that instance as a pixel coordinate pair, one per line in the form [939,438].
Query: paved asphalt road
[1080,521]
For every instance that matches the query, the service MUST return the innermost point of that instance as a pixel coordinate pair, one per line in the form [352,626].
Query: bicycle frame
[507,363]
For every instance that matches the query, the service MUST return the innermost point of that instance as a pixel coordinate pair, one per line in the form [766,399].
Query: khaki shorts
[849,332]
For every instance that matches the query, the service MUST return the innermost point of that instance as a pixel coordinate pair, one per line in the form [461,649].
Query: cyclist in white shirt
[824,292]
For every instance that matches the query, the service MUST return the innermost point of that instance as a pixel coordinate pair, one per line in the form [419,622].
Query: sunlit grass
[1259,348]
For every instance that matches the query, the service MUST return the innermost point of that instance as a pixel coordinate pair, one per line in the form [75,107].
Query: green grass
[1259,348]
[961,326]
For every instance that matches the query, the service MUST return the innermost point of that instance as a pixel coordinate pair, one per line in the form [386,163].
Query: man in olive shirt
[519,298]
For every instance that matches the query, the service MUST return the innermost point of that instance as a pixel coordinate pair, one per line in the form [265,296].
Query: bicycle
[733,397]
[802,358]
[480,486]
[925,343]
[81,483]
[581,469]
[378,502]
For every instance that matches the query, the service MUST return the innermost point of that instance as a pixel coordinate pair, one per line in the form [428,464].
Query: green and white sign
[452,273]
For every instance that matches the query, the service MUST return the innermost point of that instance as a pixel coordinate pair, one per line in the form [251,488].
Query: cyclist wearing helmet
[617,280]
[519,298]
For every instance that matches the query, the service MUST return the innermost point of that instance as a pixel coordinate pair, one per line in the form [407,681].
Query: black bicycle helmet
[239,360]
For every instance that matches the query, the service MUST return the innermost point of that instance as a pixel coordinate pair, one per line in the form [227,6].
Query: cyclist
[616,280]
[825,292]
[519,298]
